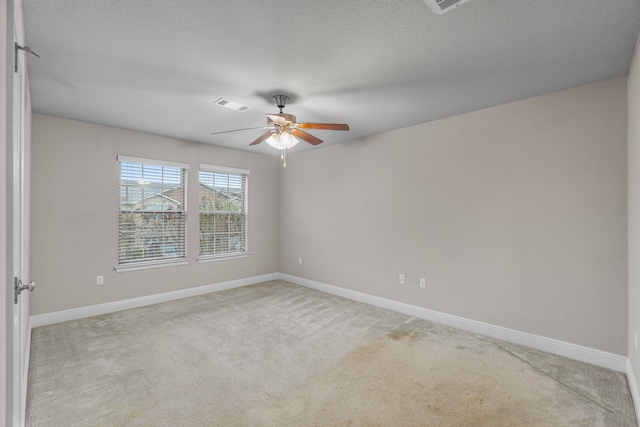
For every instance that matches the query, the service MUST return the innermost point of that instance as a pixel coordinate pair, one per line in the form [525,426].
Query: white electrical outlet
[423,283]
[300,261]
[401,279]
[99,280]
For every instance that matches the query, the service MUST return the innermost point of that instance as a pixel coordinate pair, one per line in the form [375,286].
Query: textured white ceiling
[157,66]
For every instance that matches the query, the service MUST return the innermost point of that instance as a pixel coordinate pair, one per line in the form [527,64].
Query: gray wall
[633,158]
[74,207]
[515,215]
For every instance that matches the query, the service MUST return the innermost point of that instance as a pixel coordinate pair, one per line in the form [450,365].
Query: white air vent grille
[442,6]
[232,105]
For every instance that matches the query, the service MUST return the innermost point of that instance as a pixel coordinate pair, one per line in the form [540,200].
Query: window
[152,216]
[223,212]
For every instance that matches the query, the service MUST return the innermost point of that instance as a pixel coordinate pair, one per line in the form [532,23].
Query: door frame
[17,321]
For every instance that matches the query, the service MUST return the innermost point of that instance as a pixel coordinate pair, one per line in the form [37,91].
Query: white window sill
[145,266]
[211,258]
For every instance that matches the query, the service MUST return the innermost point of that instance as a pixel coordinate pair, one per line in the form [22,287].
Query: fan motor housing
[290,118]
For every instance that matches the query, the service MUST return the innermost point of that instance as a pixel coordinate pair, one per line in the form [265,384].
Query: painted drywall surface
[633,159]
[74,205]
[515,215]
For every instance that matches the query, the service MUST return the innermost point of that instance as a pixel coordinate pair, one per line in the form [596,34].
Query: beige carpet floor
[276,354]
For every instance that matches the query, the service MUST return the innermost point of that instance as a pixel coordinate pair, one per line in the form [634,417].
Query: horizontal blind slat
[140,160]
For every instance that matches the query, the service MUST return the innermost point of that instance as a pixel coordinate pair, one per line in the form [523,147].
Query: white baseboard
[112,307]
[633,385]
[549,345]
[561,348]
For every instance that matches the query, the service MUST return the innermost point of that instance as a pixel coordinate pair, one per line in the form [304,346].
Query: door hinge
[16,48]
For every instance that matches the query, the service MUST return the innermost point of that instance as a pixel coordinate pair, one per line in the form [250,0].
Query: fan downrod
[281,101]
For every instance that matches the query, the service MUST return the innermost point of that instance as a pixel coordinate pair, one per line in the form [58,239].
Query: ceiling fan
[284,131]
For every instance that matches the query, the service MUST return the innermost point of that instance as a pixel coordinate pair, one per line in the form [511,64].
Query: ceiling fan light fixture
[282,140]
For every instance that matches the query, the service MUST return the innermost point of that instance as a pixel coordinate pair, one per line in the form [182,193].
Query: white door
[16,217]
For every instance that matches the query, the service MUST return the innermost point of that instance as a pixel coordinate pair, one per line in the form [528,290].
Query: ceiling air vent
[442,6]
[232,105]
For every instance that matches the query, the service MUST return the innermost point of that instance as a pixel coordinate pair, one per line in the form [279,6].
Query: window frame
[208,257]
[146,263]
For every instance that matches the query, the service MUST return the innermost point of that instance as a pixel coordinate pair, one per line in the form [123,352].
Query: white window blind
[223,211]
[152,214]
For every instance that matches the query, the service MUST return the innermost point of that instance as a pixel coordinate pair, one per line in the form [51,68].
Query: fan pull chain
[284,158]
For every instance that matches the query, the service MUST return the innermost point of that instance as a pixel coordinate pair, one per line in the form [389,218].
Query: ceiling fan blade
[325,126]
[279,120]
[306,136]
[239,130]
[261,138]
